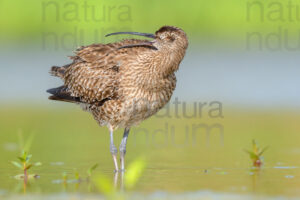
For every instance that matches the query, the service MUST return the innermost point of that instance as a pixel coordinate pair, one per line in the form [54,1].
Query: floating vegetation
[289,176]
[57,163]
[78,178]
[256,154]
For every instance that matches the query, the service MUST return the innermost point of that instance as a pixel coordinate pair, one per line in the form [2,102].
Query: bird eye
[170,38]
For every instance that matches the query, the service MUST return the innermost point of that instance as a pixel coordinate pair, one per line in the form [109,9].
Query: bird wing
[91,84]
[93,74]
[97,52]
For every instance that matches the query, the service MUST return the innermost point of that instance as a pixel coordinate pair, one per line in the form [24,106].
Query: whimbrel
[123,83]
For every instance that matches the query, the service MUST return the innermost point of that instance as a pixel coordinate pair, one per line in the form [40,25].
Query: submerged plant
[256,154]
[91,169]
[65,177]
[89,173]
[77,176]
[24,164]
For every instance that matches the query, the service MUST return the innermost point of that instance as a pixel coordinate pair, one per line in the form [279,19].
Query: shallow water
[179,164]
[239,78]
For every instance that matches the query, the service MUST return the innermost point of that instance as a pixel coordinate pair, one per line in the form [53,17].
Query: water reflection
[255,172]
[119,177]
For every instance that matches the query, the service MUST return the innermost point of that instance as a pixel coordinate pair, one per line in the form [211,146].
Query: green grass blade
[104,184]
[29,166]
[134,172]
[21,159]
[91,169]
[17,164]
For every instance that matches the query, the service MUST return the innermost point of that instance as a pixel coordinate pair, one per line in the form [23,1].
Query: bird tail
[57,71]
[61,94]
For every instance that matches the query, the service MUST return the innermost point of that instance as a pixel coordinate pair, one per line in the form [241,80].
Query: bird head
[167,38]
[170,37]
[168,45]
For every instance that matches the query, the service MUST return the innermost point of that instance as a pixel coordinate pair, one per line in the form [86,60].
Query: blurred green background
[25,21]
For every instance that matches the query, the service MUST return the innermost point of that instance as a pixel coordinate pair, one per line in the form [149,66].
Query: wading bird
[123,83]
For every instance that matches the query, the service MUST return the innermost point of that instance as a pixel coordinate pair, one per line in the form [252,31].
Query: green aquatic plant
[135,171]
[65,177]
[91,169]
[77,176]
[24,164]
[256,154]
[104,184]
[89,173]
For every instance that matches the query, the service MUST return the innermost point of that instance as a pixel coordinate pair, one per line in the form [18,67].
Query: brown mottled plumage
[125,82]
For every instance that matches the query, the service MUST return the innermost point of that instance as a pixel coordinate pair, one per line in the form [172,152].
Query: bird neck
[167,62]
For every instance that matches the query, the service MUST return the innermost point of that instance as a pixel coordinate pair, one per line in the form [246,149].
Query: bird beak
[149,35]
[143,44]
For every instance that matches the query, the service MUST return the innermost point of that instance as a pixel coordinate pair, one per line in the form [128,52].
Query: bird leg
[113,150]
[123,149]
[116,177]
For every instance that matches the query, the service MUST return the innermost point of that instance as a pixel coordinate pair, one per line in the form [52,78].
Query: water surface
[178,163]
